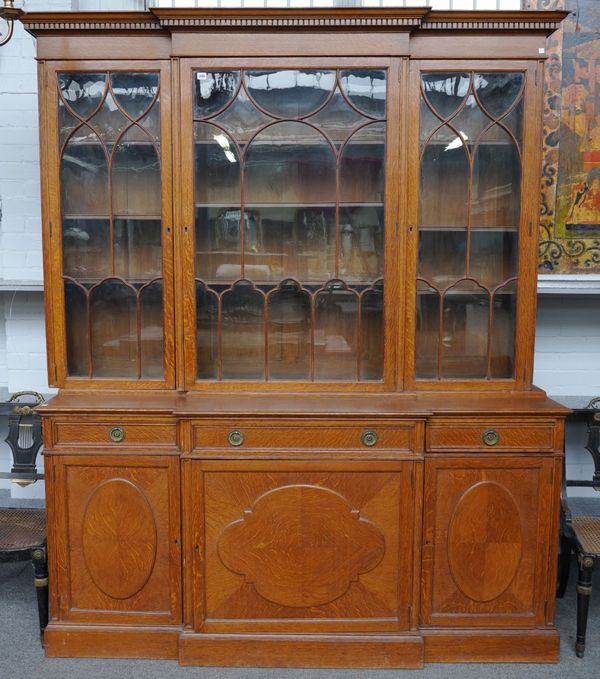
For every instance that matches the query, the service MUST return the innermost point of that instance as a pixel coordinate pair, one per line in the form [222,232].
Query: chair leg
[564,566]
[39,560]
[584,591]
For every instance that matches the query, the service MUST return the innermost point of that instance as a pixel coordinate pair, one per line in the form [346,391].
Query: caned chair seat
[587,533]
[22,529]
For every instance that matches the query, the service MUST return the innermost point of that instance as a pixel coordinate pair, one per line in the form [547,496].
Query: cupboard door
[113,157]
[285,175]
[117,539]
[294,546]
[486,540]
[472,129]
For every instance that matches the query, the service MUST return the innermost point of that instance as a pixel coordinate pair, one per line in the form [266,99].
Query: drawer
[363,435]
[115,432]
[445,434]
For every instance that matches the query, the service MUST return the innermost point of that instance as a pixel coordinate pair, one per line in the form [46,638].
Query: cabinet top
[404,19]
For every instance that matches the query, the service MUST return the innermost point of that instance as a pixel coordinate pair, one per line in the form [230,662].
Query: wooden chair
[23,530]
[580,526]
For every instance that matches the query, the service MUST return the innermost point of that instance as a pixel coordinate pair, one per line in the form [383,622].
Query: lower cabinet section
[303,562]
[486,547]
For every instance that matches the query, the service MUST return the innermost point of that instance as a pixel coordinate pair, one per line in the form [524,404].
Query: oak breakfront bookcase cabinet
[290,260]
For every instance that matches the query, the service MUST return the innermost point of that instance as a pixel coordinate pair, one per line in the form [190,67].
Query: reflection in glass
[242,119]
[289,163]
[372,333]
[289,332]
[444,188]
[134,92]
[84,180]
[113,322]
[362,166]
[442,255]
[336,333]
[445,92]
[465,331]
[366,89]
[86,248]
[77,329]
[290,94]
[502,358]
[496,184]
[242,333]
[217,166]
[361,242]
[428,331]
[207,341]
[136,179]
[151,331]
[497,91]
[213,90]
[337,119]
[109,122]
[82,91]
[138,248]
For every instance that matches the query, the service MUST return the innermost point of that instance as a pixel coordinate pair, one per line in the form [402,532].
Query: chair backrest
[591,416]
[24,437]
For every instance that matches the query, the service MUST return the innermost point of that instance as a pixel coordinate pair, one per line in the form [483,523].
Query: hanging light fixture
[10,14]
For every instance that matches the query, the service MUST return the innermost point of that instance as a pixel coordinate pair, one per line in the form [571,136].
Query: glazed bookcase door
[474,132]
[286,211]
[110,142]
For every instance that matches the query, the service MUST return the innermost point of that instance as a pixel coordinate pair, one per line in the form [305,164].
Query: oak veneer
[288,522]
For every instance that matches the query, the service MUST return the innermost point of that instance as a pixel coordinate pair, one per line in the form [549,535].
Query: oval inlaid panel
[301,545]
[119,539]
[485,541]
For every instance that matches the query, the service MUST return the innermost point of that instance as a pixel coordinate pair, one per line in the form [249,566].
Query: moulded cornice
[309,19]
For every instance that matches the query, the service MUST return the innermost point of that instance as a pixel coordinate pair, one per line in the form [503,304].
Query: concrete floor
[21,656]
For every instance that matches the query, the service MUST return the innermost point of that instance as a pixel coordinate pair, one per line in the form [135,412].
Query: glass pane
[77,328]
[218,243]
[493,256]
[213,90]
[134,92]
[289,163]
[336,333]
[443,198]
[498,91]
[445,92]
[502,359]
[366,90]
[428,331]
[465,331]
[114,330]
[207,328]
[84,179]
[290,94]
[138,249]
[82,92]
[66,122]
[289,332]
[217,166]
[86,248]
[243,333]
[136,179]
[362,166]
[152,337]
[496,191]
[442,255]
[361,242]
[372,333]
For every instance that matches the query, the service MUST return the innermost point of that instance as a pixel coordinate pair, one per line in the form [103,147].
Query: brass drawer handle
[369,438]
[117,434]
[235,438]
[490,437]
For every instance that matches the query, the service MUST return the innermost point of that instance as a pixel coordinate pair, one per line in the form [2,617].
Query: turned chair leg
[584,591]
[40,572]
[564,566]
